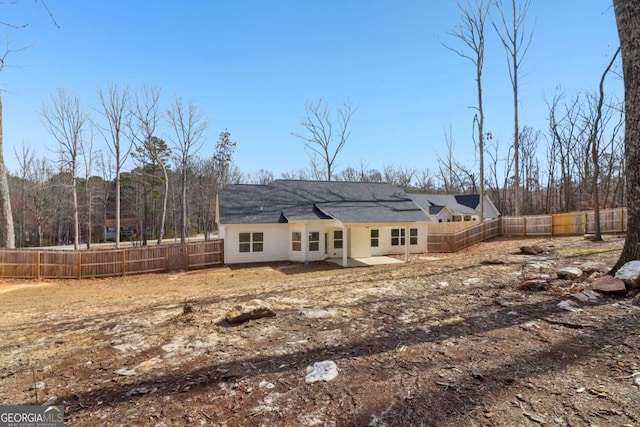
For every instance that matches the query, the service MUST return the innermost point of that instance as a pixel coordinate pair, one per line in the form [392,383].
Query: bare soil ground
[445,340]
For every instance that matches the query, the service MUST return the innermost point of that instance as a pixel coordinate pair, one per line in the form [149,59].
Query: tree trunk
[76,219]
[183,210]
[7,233]
[628,19]
[164,203]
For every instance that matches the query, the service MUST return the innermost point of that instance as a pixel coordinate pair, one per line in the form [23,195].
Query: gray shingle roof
[426,201]
[289,200]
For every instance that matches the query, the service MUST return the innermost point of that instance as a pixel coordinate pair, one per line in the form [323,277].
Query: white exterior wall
[305,228]
[385,247]
[278,243]
[445,216]
[275,246]
[360,242]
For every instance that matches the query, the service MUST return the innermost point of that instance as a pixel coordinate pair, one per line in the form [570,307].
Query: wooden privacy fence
[464,238]
[565,224]
[51,264]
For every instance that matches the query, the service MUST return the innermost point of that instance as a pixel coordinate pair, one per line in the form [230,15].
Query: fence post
[79,264]
[186,257]
[38,254]
[524,226]
[124,262]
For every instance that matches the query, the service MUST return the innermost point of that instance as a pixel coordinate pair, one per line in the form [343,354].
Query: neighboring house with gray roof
[454,208]
[290,220]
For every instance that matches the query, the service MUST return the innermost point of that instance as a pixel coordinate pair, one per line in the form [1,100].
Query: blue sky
[251,65]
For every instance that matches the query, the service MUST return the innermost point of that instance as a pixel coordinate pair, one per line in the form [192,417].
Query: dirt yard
[445,340]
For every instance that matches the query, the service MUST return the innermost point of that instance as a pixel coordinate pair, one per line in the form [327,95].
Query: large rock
[569,273]
[321,371]
[630,274]
[608,285]
[254,309]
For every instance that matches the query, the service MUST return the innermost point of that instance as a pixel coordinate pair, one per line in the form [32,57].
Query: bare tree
[516,43]
[87,152]
[41,197]
[628,20]
[261,177]
[594,146]
[25,163]
[115,107]
[65,121]
[189,125]
[7,232]
[471,33]
[146,117]
[325,137]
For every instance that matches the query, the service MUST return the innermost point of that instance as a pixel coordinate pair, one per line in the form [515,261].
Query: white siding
[276,243]
[385,247]
[319,227]
[278,247]
[360,242]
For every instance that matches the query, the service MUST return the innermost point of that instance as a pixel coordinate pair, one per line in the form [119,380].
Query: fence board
[52,264]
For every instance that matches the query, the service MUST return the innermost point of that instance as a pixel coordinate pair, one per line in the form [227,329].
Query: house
[127,229]
[454,208]
[290,220]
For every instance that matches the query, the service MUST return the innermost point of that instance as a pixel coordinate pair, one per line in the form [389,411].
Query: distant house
[289,220]
[127,229]
[454,208]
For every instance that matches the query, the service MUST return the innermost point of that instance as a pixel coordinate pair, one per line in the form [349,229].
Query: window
[314,241]
[251,242]
[397,237]
[375,238]
[413,236]
[337,239]
[296,241]
[258,242]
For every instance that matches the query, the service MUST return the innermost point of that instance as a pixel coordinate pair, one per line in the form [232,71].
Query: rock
[568,305]
[321,371]
[569,273]
[609,285]
[254,309]
[316,312]
[535,285]
[124,372]
[528,250]
[587,295]
[266,384]
[630,274]
[537,248]
[590,267]
[138,391]
[471,281]
[38,386]
[50,401]
[477,374]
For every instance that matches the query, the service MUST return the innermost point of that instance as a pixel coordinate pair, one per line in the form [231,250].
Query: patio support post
[345,246]
[407,241]
[305,243]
